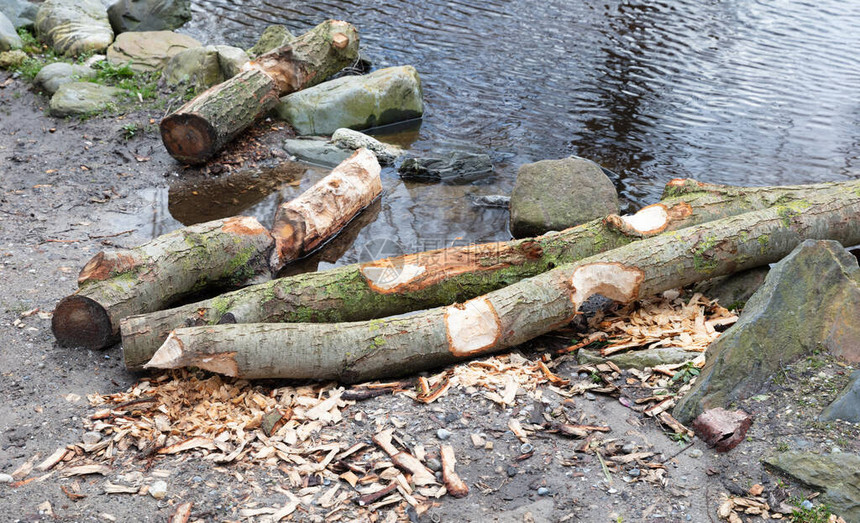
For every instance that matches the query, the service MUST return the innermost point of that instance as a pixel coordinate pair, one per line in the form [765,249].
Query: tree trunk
[200,128]
[113,285]
[504,318]
[445,276]
[303,224]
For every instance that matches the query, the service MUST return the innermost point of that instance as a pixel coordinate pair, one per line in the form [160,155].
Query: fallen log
[201,127]
[303,224]
[367,350]
[445,276]
[224,253]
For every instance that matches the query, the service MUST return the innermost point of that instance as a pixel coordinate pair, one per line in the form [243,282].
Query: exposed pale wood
[455,486]
[445,276]
[224,253]
[201,127]
[303,224]
[506,317]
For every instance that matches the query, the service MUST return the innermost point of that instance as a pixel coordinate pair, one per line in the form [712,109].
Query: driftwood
[303,224]
[224,253]
[201,127]
[442,277]
[504,318]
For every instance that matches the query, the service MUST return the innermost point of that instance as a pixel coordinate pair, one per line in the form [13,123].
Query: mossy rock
[149,50]
[9,38]
[82,98]
[273,37]
[73,27]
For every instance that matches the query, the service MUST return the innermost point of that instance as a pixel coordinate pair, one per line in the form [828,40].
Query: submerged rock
[80,98]
[499,201]
[9,38]
[20,12]
[73,27]
[456,168]
[358,102]
[317,151]
[552,195]
[273,37]
[52,76]
[847,405]
[148,15]
[838,475]
[809,300]
[149,50]
[354,140]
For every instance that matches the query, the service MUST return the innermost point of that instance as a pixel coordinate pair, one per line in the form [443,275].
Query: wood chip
[197,442]
[182,513]
[52,460]
[84,470]
[456,487]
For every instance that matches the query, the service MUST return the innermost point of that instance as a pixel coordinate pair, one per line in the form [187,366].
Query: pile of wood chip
[732,506]
[374,476]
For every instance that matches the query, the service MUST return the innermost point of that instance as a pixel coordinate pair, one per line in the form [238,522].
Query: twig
[673,456]
[111,235]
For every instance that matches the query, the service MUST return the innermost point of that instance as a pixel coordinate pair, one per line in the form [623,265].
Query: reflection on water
[728,91]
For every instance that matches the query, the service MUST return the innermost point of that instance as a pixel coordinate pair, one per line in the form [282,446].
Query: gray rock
[455,168]
[358,102]
[12,58]
[353,140]
[317,151]
[273,37]
[6,478]
[734,290]
[198,67]
[148,15]
[838,475]
[809,300]
[499,201]
[149,50]
[80,98]
[443,434]
[20,12]
[73,27]
[847,405]
[639,359]
[52,76]
[552,195]
[230,60]
[9,38]
[92,437]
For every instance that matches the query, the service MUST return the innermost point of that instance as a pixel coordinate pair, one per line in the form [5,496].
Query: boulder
[9,38]
[317,151]
[12,58]
[20,12]
[837,475]
[52,76]
[734,290]
[198,67]
[81,98]
[148,15]
[358,102]
[809,301]
[230,60]
[73,27]
[639,359]
[456,168]
[846,406]
[552,195]
[149,50]
[354,140]
[273,37]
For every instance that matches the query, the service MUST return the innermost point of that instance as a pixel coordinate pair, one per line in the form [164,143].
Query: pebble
[525,448]
[543,491]
[443,434]
[434,464]
[197,479]
[5,478]
[92,437]
[696,453]
[590,397]
[688,517]
[806,505]
[511,470]
[583,375]
[158,489]
[634,473]
[628,448]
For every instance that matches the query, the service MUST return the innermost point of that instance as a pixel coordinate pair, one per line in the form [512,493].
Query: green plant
[130,130]
[782,446]
[815,514]
[686,373]
[681,437]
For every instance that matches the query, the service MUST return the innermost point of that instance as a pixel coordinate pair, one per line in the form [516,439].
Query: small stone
[696,453]
[806,505]
[628,448]
[634,473]
[197,479]
[543,491]
[590,397]
[511,471]
[5,478]
[443,434]
[158,489]
[92,437]
[434,464]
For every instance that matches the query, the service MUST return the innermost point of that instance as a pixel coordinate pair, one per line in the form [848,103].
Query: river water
[735,91]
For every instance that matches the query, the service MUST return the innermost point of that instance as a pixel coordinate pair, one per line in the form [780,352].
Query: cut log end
[188,137]
[473,327]
[79,321]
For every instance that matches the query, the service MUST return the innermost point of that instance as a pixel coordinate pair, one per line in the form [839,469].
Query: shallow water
[741,92]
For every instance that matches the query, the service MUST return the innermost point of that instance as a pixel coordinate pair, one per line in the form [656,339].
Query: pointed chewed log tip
[172,355]
[168,356]
[473,327]
[79,321]
[612,280]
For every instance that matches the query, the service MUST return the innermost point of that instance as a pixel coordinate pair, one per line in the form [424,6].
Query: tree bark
[303,224]
[113,285]
[201,127]
[366,350]
[445,276]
